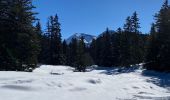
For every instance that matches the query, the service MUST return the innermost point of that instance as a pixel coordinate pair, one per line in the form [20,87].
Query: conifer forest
[26,46]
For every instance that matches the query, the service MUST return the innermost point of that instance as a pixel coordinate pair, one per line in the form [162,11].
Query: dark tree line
[54,51]
[23,44]
[158,56]
[124,47]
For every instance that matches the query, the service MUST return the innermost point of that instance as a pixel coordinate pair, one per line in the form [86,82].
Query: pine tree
[99,49]
[65,53]
[44,55]
[39,41]
[152,50]
[135,49]
[46,44]
[124,50]
[132,40]
[93,50]
[18,34]
[73,50]
[38,30]
[80,56]
[87,60]
[116,42]
[56,54]
[128,25]
[126,43]
[107,49]
[135,23]
[3,29]
[161,58]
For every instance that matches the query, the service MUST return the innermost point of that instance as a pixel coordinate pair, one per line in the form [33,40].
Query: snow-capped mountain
[87,38]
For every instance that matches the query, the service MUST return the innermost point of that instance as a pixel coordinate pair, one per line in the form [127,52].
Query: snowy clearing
[61,83]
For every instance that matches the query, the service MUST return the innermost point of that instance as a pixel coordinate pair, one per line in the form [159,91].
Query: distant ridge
[87,38]
[110,32]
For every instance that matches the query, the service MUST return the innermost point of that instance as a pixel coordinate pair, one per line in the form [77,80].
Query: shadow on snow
[158,78]
[115,70]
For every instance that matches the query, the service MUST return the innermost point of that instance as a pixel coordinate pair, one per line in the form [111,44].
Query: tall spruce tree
[56,53]
[116,42]
[18,35]
[132,41]
[107,49]
[4,25]
[135,23]
[44,55]
[93,50]
[152,49]
[46,45]
[128,25]
[40,44]
[135,49]
[99,53]
[126,43]
[73,50]
[80,55]
[65,53]
[124,50]
[161,59]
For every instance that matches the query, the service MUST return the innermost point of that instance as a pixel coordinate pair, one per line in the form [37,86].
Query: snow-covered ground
[61,83]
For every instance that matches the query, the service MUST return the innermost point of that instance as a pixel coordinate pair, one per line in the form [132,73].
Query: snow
[61,83]
[87,38]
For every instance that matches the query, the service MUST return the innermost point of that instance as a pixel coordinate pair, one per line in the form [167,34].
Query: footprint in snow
[145,93]
[76,89]
[17,87]
[135,87]
[94,81]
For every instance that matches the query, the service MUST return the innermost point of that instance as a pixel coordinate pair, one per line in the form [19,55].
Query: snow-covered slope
[87,38]
[61,83]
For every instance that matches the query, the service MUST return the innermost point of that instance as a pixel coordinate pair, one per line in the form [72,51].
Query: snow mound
[54,70]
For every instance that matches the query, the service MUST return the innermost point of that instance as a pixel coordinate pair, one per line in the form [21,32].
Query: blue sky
[93,16]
